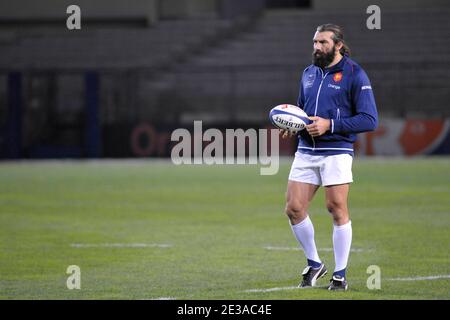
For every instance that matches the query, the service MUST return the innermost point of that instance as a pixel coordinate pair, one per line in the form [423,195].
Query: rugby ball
[289,117]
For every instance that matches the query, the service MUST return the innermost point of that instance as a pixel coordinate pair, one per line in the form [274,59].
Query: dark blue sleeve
[363,102]
[301,96]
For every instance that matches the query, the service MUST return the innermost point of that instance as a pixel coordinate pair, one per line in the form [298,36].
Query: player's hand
[286,133]
[318,127]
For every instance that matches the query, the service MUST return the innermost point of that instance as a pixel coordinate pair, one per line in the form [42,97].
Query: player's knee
[335,207]
[295,211]
[339,212]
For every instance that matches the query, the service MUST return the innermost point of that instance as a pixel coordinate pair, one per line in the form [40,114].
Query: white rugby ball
[289,117]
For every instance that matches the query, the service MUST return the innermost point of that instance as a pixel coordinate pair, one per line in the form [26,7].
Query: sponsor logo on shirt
[334,86]
[366,88]
[309,81]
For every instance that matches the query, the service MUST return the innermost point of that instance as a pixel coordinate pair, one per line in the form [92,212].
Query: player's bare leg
[336,201]
[298,198]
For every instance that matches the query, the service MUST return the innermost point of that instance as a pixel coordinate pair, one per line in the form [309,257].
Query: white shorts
[322,170]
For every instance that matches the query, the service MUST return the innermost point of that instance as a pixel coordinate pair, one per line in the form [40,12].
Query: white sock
[304,232]
[342,241]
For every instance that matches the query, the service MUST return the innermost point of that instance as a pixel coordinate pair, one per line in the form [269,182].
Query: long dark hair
[338,36]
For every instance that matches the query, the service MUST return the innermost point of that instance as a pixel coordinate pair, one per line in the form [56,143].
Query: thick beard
[324,59]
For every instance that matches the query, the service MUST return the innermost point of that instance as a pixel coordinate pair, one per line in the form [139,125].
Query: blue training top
[343,94]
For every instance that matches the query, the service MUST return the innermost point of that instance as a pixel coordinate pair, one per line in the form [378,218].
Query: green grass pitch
[218,221]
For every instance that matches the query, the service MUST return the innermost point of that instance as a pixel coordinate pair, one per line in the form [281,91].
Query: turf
[218,221]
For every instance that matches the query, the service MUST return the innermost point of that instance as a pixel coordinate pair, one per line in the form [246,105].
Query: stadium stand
[267,61]
[219,70]
[107,48]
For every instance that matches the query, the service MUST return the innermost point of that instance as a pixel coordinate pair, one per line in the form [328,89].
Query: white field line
[319,249]
[164,298]
[444,276]
[281,289]
[120,245]
[271,289]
